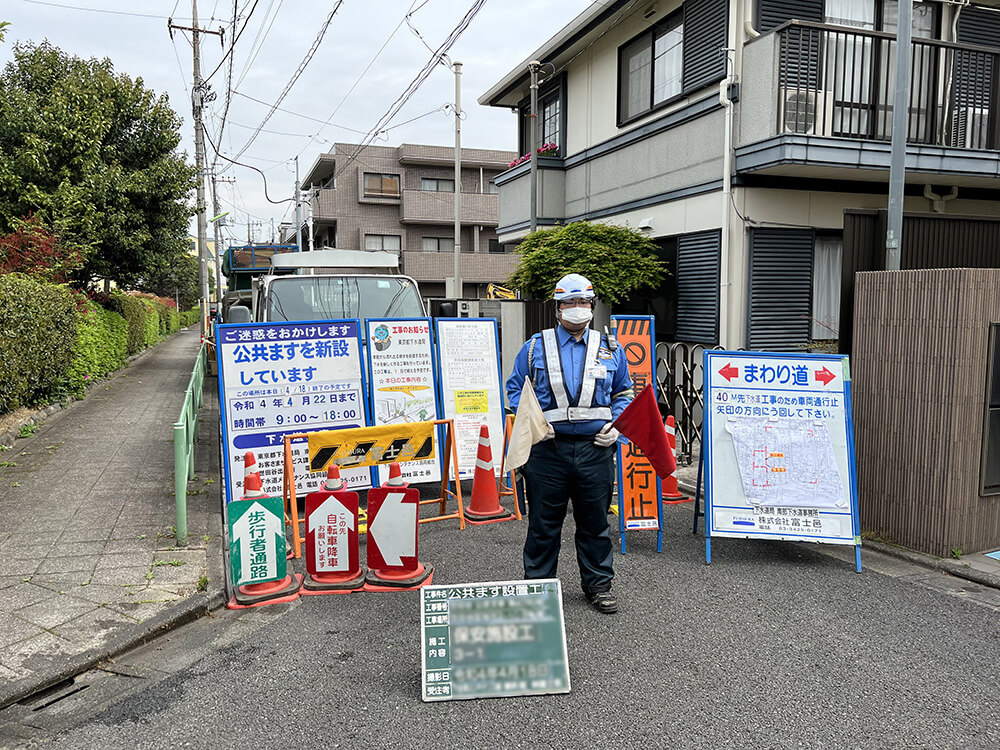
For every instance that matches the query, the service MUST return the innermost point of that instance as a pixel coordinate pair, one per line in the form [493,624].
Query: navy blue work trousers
[558,471]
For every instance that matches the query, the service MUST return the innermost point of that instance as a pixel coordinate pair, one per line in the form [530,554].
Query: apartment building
[402,199]
[737,133]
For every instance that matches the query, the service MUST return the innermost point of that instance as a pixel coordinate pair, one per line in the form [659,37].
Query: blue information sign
[277,379]
[779,448]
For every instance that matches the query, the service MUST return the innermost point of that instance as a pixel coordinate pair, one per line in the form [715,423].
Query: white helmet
[573,286]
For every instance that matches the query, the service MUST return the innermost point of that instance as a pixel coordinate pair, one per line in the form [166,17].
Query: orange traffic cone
[268,592]
[671,495]
[334,482]
[395,476]
[485,504]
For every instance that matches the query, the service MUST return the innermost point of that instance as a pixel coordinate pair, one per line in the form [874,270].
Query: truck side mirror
[238,314]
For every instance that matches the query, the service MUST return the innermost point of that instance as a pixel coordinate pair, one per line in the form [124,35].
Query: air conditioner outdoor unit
[969,127]
[805,111]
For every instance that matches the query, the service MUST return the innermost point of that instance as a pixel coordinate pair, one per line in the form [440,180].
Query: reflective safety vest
[585,409]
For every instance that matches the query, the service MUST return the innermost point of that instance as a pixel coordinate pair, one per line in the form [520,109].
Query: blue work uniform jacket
[613,391]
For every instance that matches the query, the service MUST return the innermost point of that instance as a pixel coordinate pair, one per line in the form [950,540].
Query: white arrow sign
[332,508]
[394,529]
[272,526]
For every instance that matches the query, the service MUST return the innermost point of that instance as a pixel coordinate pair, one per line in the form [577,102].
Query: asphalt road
[772,646]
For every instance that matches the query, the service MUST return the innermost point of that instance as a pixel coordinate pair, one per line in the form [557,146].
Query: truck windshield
[332,297]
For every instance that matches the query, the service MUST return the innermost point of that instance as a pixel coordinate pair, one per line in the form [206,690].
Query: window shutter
[705,36]
[773,13]
[781,270]
[981,27]
[698,287]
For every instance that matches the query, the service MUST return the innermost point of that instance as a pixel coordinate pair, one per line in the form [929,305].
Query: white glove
[607,436]
[550,434]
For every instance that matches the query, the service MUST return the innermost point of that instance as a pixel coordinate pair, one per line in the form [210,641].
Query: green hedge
[38,329]
[190,317]
[101,346]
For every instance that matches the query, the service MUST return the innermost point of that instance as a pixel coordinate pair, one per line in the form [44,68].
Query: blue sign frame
[710,360]
[226,331]
[435,378]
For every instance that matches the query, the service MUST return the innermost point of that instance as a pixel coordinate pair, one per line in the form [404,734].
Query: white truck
[330,284]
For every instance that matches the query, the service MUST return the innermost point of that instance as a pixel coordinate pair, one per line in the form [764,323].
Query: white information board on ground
[469,360]
[401,373]
[779,447]
[282,378]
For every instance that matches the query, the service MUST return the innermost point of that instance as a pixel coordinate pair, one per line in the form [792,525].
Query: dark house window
[650,67]
[436,185]
[381,185]
[551,117]
[438,245]
[678,55]
[496,247]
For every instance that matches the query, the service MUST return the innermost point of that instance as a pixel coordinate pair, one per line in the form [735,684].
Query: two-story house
[736,133]
[402,199]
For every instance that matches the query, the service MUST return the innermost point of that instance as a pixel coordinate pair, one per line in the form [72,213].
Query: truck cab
[331,284]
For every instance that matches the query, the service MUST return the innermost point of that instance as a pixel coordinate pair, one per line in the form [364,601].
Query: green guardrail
[185,436]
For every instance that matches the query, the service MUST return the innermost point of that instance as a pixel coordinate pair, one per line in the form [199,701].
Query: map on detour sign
[779,446]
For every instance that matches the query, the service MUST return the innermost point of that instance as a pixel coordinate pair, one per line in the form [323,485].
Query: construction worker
[582,383]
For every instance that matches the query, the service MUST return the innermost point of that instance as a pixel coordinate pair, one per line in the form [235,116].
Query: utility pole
[457,67]
[298,208]
[198,98]
[533,67]
[900,126]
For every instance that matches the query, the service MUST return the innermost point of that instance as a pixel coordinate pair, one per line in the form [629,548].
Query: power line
[247,166]
[406,20]
[295,76]
[418,81]
[299,114]
[232,46]
[258,41]
[98,10]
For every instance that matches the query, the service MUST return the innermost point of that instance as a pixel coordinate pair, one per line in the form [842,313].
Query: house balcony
[432,207]
[816,101]
[324,203]
[479,268]
[515,197]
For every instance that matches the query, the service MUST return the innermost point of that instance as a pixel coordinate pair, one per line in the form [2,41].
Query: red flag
[640,423]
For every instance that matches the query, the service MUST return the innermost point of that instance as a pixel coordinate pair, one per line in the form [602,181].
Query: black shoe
[604,602]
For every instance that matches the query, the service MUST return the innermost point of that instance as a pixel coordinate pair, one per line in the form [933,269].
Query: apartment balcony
[479,268]
[324,203]
[816,101]
[431,207]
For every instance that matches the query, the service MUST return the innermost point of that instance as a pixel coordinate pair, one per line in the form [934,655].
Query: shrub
[101,345]
[190,317]
[37,334]
[151,323]
[135,313]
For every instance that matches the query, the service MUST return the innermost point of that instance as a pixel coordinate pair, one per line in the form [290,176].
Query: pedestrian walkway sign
[257,540]
[779,448]
[490,640]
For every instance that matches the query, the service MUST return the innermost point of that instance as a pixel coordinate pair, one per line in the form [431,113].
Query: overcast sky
[275,39]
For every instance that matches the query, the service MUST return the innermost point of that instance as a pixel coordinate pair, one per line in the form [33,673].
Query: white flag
[530,426]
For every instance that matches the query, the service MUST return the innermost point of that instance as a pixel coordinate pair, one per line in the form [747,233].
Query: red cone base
[333,583]
[389,580]
[270,592]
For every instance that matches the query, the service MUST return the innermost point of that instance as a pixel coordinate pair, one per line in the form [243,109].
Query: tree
[93,155]
[178,280]
[617,260]
[33,251]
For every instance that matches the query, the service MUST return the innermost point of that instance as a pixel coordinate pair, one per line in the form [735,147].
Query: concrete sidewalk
[88,561]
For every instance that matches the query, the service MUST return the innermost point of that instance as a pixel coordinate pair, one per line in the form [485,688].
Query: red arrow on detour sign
[824,376]
[729,372]
[392,528]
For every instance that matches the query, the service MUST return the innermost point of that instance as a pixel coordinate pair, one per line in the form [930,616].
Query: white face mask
[577,315]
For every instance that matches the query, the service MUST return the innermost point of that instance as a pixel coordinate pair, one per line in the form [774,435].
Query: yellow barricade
[370,446]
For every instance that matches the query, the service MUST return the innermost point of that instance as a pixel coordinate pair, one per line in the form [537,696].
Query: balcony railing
[839,82]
